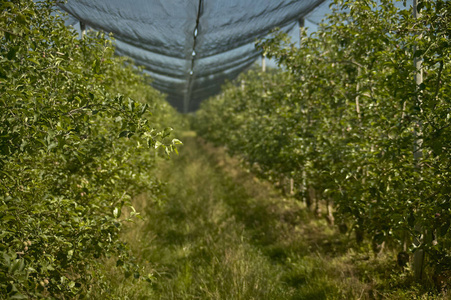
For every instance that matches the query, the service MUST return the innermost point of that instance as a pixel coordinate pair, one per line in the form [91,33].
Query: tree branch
[10,32]
[439,76]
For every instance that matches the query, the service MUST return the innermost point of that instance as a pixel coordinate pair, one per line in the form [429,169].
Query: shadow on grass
[223,234]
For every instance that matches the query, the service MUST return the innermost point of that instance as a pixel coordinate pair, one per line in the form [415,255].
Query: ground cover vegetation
[222,233]
[345,120]
[80,133]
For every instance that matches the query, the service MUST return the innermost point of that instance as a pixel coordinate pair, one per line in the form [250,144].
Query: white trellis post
[304,187]
[418,257]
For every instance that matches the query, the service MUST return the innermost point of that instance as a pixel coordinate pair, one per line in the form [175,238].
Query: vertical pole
[83,29]
[186,102]
[263,63]
[304,174]
[305,189]
[301,22]
[418,258]
[357,98]
[418,77]
[417,61]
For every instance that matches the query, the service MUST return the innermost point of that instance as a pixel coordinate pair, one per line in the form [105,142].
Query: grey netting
[190,47]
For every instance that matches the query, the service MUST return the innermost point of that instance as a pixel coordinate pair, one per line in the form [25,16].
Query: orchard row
[357,116]
[74,149]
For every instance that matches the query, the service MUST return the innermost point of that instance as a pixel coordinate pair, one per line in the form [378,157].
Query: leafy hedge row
[345,119]
[73,151]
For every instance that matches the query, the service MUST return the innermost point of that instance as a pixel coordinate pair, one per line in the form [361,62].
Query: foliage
[73,151]
[344,117]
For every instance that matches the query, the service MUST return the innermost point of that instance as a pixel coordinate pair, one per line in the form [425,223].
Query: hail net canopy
[189,47]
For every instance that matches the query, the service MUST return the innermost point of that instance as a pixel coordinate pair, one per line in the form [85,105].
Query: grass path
[223,234]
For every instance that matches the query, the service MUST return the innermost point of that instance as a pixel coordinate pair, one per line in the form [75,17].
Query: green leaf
[70,254]
[33,60]
[418,53]
[158,144]
[144,108]
[96,66]
[12,53]
[124,133]
[116,212]
[420,5]
[21,19]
